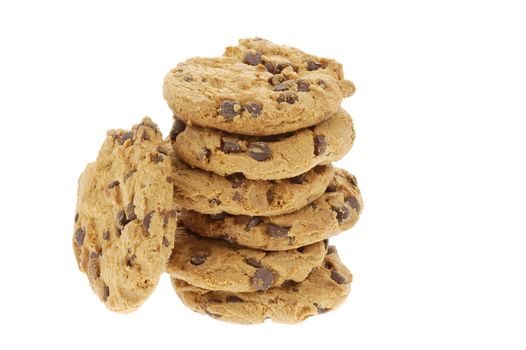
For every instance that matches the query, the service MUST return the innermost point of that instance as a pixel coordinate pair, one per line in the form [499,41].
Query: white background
[439,255]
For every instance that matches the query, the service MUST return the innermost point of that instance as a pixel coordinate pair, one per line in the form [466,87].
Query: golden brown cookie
[219,265]
[125,220]
[324,290]
[209,193]
[337,210]
[265,158]
[257,88]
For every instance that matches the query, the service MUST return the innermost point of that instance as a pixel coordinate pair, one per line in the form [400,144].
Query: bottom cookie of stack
[323,290]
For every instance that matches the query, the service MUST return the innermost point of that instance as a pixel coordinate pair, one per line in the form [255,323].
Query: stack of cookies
[255,133]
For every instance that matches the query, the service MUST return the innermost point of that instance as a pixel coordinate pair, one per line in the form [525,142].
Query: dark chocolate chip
[288,97]
[298,180]
[301,249]
[206,153]
[166,242]
[353,203]
[252,58]
[118,231]
[253,262]
[342,213]
[106,235]
[130,211]
[280,67]
[162,151]
[321,310]
[236,197]
[263,279]
[253,222]
[331,188]
[331,249]
[313,65]
[328,265]
[76,217]
[320,144]
[281,87]
[126,136]
[113,184]
[270,67]
[214,201]
[233,299]
[254,109]
[237,179]
[106,293]
[130,261]
[276,79]
[218,217]
[158,158]
[338,277]
[320,169]
[270,196]
[121,218]
[277,231]
[146,221]
[230,146]
[177,128]
[215,301]
[197,260]
[229,239]
[259,151]
[303,85]
[167,214]
[229,109]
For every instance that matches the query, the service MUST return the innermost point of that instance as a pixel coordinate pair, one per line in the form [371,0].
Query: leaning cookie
[125,220]
[259,89]
[219,265]
[265,158]
[337,210]
[209,193]
[324,290]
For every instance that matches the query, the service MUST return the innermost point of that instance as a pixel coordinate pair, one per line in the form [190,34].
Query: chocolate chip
[270,196]
[288,97]
[167,214]
[270,67]
[263,279]
[130,211]
[145,136]
[233,299]
[188,79]
[338,277]
[236,197]
[230,146]
[130,261]
[313,65]
[331,188]
[218,217]
[353,203]
[259,151]
[320,169]
[169,179]
[281,87]
[280,67]
[166,242]
[303,85]
[106,235]
[197,260]
[177,128]
[321,310]
[276,79]
[118,232]
[342,213]
[106,293]
[237,179]
[253,262]
[253,222]
[322,83]
[146,221]
[229,109]
[301,249]
[162,151]
[252,58]
[320,144]
[298,180]
[291,240]
[121,218]
[328,265]
[326,244]
[214,201]
[158,158]
[93,255]
[277,231]
[206,153]
[113,184]
[254,109]
[76,217]
[215,301]
[331,249]
[126,136]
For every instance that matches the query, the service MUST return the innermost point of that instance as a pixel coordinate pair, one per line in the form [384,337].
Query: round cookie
[265,158]
[324,290]
[258,88]
[337,210]
[125,219]
[219,265]
[209,193]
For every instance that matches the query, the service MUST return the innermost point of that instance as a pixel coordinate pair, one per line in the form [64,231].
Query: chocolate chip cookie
[257,88]
[337,210]
[219,265]
[324,290]
[209,193]
[265,158]
[125,220]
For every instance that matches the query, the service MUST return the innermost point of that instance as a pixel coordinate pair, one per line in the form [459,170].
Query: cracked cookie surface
[265,158]
[256,88]
[219,265]
[125,219]
[324,290]
[337,210]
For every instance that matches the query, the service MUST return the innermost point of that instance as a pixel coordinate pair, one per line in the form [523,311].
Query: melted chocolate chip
[233,299]
[277,231]
[253,222]
[106,235]
[253,262]
[113,184]
[126,136]
[342,213]
[229,109]
[259,151]
[313,65]
[320,145]
[254,109]
[298,180]
[218,217]
[146,221]
[197,260]
[252,58]
[353,203]
[237,179]
[79,236]
[303,85]
[338,277]
[121,218]
[130,211]
[263,279]
[230,146]
[270,196]
[166,242]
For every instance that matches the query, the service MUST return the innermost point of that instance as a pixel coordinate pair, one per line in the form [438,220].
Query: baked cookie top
[256,88]
[125,219]
[219,265]
[325,289]
[265,157]
[337,210]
